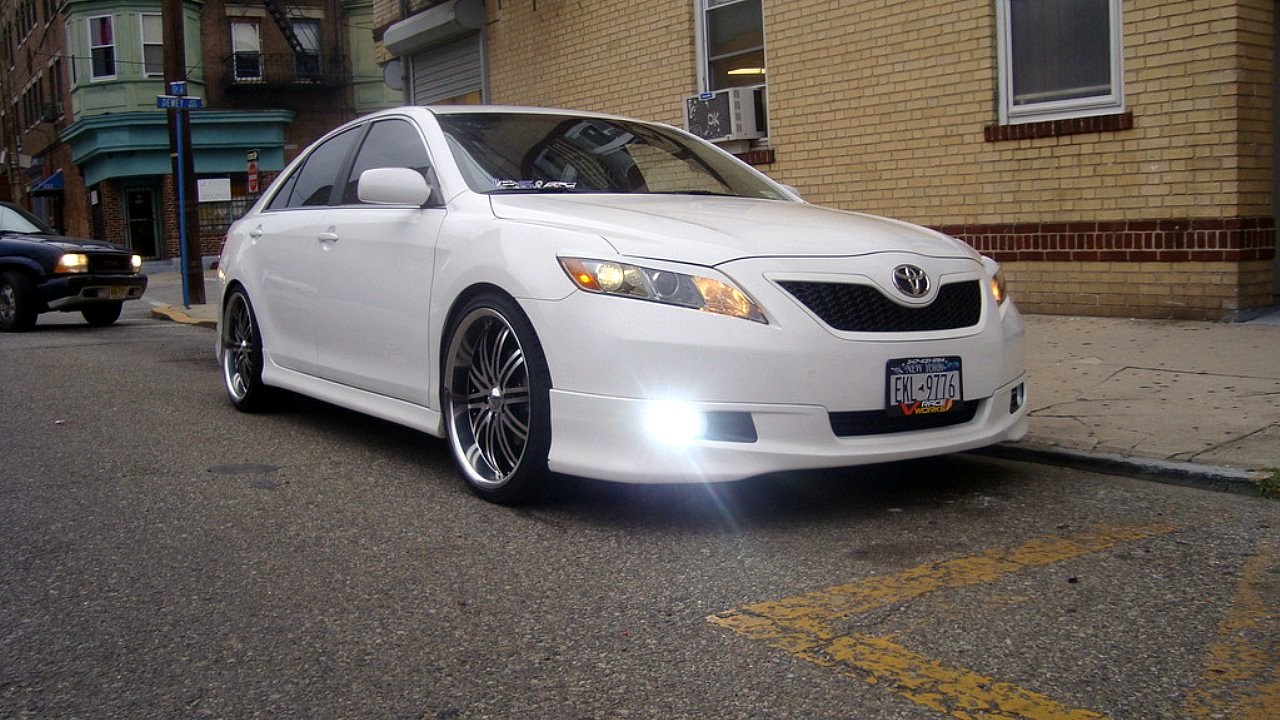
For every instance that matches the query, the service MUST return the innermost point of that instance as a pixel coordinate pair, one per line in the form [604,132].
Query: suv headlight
[136,261]
[72,263]
[606,277]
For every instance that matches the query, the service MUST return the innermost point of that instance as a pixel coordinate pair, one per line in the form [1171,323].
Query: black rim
[239,354]
[489,398]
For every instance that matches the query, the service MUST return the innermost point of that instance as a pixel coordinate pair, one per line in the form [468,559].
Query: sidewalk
[1191,402]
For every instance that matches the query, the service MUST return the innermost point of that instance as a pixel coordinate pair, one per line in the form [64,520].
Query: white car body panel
[353,303]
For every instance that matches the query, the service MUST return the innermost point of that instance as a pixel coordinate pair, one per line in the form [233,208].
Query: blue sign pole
[182,213]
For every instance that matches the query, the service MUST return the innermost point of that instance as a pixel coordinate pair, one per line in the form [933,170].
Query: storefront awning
[51,185]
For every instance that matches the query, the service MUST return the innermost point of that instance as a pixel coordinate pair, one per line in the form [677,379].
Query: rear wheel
[17,302]
[102,314]
[496,401]
[242,355]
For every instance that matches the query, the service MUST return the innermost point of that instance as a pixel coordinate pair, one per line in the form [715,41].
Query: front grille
[863,308]
[110,264]
[880,422]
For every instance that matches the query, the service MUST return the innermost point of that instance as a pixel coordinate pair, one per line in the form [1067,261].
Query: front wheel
[102,314]
[17,302]
[242,355]
[496,399]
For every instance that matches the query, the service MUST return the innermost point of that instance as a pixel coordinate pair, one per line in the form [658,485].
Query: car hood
[709,230]
[66,244]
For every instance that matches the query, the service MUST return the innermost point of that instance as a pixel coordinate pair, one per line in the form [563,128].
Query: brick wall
[629,58]
[889,107]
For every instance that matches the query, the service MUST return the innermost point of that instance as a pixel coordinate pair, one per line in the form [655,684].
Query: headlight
[671,288]
[72,263]
[136,261]
[997,287]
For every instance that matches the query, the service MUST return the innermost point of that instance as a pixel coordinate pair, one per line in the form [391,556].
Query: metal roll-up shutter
[447,71]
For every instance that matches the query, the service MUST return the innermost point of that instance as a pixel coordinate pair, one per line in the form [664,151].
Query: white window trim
[142,42]
[115,60]
[257,31]
[1112,102]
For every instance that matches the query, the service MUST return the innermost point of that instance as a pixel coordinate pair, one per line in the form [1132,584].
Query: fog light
[1017,397]
[676,422]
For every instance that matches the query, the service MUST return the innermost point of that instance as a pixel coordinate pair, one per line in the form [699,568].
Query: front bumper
[609,438]
[72,292]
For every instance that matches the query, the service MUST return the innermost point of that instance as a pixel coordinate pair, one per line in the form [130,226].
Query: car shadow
[838,494]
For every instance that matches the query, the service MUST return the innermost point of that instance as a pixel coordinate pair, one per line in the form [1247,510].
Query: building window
[1059,59]
[246,51]
[307,62]
[102,47]
[152,44]
[731,48]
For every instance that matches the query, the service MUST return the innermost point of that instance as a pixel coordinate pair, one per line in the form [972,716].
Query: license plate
[923,386]
[118,292]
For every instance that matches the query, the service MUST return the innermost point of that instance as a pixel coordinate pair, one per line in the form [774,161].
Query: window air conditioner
[728,114]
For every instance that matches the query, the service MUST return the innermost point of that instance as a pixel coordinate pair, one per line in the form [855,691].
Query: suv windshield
[527,152]
[16,220]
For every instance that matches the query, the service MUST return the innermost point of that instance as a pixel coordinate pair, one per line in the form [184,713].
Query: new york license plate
[922,386]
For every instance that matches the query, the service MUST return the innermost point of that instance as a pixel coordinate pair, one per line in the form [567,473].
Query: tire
[17,302]
[102,314]
[242,355]
[495,390]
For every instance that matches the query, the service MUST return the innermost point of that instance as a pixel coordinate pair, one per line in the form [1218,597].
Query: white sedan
[558,291]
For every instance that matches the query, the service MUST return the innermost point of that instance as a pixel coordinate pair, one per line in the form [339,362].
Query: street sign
[175,102]
[253,176]
[251,155]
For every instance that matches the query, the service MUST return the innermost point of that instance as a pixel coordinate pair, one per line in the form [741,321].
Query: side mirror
[393,186]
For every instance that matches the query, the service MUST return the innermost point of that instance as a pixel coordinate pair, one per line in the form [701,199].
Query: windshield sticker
[533,185]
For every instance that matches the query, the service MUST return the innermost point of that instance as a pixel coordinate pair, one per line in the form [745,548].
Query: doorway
[140,222]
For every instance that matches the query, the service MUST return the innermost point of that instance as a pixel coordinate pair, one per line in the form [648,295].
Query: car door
[375,271]
[287,246]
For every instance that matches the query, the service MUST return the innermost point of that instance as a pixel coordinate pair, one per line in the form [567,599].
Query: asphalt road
[162,555]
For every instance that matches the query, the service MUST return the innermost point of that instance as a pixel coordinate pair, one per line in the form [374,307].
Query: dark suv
[41,271]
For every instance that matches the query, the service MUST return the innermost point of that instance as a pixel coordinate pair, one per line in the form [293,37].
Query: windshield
[559,153]
[15,220]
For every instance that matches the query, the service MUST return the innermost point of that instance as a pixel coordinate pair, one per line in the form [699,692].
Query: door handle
[256,232]
[328,236]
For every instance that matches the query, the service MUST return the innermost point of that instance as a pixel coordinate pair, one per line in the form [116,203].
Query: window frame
[703,43]
[1104,104]
[235,54]
[316,54]
[93,66]
[142,38]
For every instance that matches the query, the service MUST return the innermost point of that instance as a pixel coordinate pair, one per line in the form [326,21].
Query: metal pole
[182,211]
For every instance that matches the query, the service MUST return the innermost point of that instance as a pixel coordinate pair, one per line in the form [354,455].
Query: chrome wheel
[489,398]
[496,399]
[241,354]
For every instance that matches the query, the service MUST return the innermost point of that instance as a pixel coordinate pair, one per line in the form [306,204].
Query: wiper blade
[696,192]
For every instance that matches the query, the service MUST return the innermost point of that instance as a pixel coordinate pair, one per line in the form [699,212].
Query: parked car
[42,271]
[556,291]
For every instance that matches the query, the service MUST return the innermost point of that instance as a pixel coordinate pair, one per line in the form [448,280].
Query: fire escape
[306,65]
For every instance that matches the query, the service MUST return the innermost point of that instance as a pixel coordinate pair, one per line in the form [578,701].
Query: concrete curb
[166,312]
[1206,477]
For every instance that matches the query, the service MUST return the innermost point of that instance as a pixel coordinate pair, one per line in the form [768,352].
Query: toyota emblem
[911,280]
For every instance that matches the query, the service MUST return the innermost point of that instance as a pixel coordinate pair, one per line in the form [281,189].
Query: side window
[390,143]
[312,184]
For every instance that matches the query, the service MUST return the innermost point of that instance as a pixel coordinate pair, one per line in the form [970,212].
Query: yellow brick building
[1137,182]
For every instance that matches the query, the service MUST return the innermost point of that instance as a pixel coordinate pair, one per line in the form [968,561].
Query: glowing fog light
[676,422]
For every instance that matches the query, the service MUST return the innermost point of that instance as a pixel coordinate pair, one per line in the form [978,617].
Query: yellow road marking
[802,625]
[1241,678]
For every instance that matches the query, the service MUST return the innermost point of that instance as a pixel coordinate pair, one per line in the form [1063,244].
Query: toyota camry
[577,293]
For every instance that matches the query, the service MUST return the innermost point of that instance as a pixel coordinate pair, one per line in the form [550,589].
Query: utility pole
[175,70]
